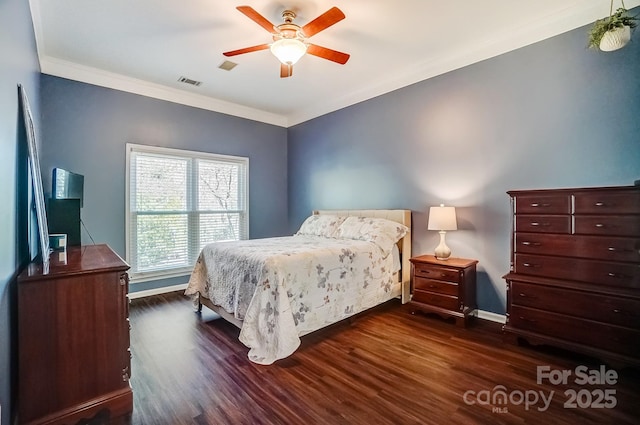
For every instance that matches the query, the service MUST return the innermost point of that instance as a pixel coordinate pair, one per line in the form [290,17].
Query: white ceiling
[144,46]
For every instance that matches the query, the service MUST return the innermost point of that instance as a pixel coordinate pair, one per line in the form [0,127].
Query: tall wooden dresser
[73,338]
[575,271]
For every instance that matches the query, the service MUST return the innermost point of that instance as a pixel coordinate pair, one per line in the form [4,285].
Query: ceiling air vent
[227,65]
[189,81]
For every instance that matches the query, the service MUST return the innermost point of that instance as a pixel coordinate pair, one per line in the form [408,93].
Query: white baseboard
[156,291]
[493,317]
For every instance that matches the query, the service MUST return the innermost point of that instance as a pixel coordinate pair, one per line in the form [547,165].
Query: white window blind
[177,202]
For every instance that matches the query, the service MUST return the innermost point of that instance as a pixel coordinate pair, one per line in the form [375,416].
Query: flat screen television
[67,185]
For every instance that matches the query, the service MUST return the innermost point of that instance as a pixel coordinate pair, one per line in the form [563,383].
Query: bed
[339,263]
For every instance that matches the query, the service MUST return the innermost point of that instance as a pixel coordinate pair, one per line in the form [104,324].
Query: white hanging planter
[615,39]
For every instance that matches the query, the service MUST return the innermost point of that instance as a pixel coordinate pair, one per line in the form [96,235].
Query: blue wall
[18,64]
[553,114]
[87,128]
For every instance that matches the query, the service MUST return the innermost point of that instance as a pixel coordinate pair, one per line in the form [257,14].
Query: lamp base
[442,251]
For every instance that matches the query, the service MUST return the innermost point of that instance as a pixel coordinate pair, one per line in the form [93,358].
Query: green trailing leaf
[601,26]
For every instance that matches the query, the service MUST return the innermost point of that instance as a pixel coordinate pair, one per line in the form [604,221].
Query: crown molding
[576,15]
[572,17]
[98,77]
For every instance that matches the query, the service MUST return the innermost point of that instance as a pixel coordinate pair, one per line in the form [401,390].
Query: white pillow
[384,233]
[321,225]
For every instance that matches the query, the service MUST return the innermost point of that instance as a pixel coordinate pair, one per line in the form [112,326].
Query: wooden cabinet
[447,288]
[73,338]
[575,270]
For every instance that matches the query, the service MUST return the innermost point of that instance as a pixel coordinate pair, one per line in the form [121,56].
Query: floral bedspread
[285,287]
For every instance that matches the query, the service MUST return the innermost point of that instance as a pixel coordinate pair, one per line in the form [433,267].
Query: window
[177,202]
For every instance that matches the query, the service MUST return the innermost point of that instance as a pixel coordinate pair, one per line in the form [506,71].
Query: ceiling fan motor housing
[288,29]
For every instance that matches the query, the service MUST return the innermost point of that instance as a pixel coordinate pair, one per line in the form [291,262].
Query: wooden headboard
[404,244]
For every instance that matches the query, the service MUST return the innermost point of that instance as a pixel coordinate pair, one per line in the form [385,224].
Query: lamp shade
[442,218]
[288,50]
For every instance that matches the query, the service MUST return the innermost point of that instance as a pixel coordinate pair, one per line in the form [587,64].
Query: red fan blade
[323,21]
[247,50]
[324,53]
[251,13]
[286,70]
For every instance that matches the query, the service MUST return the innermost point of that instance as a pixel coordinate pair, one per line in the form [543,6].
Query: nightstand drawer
[444,287]
[438,286]
[435,272]
[447,302]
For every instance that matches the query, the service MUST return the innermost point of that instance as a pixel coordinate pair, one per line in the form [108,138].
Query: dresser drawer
[543,204]
[543,223]
[607,225]
[448,302]
[438,286]
[610,202]
[608,248]
[603,308]
[591,271]
[436,272]
[588,332]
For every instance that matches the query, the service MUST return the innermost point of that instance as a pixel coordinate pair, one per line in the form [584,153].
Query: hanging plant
[614,32]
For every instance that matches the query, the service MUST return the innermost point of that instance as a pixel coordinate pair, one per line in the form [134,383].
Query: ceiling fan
[290,40]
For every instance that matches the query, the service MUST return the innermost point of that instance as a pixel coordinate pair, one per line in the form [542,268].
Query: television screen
[67,185]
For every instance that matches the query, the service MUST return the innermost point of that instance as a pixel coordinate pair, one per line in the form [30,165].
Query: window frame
[192,189]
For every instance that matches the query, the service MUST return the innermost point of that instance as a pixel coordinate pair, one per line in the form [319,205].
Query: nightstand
[446,288]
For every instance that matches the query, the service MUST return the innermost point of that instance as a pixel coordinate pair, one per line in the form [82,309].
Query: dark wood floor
[384,367]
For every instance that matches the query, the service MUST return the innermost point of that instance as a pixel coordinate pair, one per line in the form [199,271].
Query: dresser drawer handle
[523,295]
[536,223]
[537,204]
[530,265]
[599,204]
[599,225]
[616,275]
[527,319]
[614,249]
[527,243]
[625,313]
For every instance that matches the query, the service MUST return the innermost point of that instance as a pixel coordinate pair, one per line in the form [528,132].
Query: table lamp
[442,219]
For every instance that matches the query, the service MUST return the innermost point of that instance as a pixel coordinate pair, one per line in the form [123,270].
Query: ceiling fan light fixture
[288,50]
